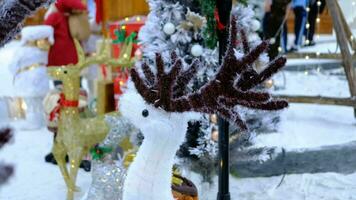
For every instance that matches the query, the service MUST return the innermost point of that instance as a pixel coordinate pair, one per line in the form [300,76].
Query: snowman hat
[32,33]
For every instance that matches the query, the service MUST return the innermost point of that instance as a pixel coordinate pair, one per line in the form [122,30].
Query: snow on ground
[303,126]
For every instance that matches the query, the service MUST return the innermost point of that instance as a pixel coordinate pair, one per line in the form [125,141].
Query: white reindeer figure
[161,108]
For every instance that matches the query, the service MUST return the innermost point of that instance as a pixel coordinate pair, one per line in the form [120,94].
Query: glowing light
[318,36]
[269,83]
[23,105]
[318,53]
[306,72]
[308,9]
[123,27]
[318,3]
[127,19]
[307,57]
[318,20]
[138,19]
[307,26]
[280,49]
[307,42]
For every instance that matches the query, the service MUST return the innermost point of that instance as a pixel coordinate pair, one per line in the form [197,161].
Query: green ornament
[98,152]
[131,38]
[121,35]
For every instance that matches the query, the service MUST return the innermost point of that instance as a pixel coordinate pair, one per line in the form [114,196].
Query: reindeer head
[149,118]
[232,86]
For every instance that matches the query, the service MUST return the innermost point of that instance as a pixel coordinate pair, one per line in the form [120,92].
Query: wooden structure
[347,44]
[119,9]
[36,19]
[114,10]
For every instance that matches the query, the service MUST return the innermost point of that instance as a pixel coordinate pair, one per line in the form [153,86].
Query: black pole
[224,9]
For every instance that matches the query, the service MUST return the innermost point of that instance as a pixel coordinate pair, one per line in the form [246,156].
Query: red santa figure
[63,51]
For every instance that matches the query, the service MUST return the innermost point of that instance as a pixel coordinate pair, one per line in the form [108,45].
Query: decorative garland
[210,33]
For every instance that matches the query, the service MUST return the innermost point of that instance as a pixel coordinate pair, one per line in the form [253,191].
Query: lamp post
[224,9]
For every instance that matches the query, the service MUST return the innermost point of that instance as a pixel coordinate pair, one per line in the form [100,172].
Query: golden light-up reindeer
[76,135]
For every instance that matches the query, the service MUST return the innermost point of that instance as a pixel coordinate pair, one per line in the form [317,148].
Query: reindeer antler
[233,84]
[104,56]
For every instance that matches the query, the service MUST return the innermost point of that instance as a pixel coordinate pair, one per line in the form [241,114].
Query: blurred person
[300,12]
[274,26]
[315,10]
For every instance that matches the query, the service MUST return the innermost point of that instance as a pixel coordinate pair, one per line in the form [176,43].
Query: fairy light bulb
[318,53]
[23,105]
[123,27]
[308,9]
[307,42]
[318,20]
[138,19]
[279,49]
[307,26]
[127,19]
[307,57]
[318,3]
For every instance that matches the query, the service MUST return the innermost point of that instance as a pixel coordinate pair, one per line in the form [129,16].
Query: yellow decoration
[76,135]
[175,179]
[43,44]
[28,68]
[105,87]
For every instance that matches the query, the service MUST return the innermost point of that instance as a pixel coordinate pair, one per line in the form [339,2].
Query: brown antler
[231,86]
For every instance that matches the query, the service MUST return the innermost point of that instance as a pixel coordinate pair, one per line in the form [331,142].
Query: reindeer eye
[145,113]
[65,72]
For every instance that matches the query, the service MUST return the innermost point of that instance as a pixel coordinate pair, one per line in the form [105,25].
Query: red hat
[69,5]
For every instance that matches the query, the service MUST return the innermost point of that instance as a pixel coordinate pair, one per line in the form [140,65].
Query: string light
[23,105]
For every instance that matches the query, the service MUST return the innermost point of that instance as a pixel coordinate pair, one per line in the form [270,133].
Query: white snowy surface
[303,126]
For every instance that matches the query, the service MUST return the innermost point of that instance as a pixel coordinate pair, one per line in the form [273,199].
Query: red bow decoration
[220,25]
[62,103]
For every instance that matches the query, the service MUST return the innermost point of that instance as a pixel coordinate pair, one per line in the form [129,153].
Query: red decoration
[99,11]
[63,51]
[120,82]
[130,25]
[220,25]
[62,103]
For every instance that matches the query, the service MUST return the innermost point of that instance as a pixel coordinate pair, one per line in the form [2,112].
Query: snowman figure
[30,80]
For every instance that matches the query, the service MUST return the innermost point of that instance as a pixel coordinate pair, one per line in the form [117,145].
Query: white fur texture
[149,176]
[32,83]
[31,33]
